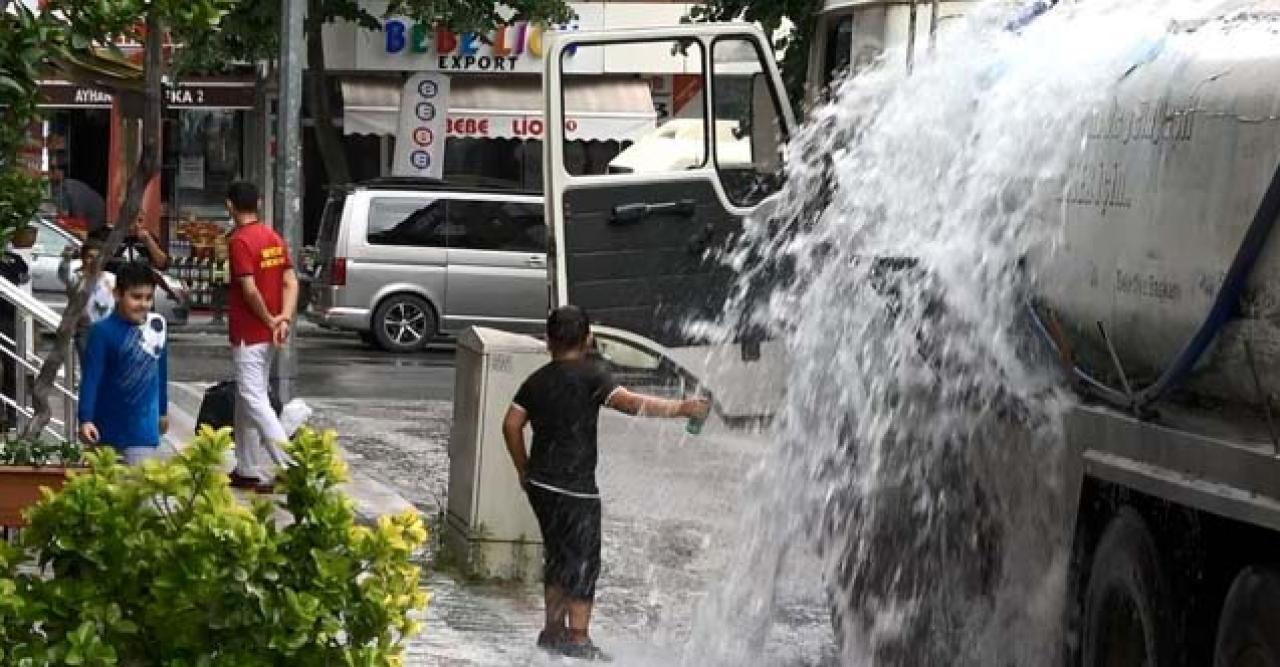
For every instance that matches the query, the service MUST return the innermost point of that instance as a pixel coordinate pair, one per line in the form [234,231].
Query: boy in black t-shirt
[562,400]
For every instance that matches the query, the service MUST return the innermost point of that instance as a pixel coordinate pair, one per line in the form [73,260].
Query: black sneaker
[550,641]
[584,651]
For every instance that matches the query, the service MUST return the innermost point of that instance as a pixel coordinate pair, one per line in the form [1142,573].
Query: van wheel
[1249,628]
[404,323]
[1127,619]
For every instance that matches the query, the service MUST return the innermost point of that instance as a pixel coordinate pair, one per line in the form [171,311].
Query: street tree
[772,16]
[69,31]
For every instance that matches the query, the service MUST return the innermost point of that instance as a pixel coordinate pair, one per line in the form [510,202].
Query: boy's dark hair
[567,328]
[91,244]
[134,274]
[243,196]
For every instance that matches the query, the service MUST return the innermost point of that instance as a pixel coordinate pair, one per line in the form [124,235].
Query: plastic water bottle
[695,424]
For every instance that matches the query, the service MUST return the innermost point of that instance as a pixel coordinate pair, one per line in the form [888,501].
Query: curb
[207,328]
[370,498]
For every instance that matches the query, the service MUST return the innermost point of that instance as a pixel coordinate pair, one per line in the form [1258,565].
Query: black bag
[218,408]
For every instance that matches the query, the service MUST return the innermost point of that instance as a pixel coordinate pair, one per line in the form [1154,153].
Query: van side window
[407,222]
[497,225]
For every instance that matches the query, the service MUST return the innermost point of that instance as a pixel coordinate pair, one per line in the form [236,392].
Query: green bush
[160,565]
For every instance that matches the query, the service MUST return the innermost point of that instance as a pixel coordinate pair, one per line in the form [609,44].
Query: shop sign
[62,94]
[676,96]
[221,95]
[525,126]
[506,127]
[424,102]
[403,44]
[229,95]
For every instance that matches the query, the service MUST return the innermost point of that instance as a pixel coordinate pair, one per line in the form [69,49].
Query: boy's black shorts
[570,540]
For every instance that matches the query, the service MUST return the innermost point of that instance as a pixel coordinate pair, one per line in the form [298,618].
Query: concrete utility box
[490,526]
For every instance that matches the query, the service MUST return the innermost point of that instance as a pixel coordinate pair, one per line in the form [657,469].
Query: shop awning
[597,108]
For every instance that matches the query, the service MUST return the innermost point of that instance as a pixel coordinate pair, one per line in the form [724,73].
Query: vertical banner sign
[424,105]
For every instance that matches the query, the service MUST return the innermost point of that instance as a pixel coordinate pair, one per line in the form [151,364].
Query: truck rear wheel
[1127,619]
[1249,627]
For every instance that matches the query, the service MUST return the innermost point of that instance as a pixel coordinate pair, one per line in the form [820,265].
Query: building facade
[495,123]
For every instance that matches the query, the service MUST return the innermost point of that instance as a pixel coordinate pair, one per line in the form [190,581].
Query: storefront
[84,136]
[495,123]
[74,140]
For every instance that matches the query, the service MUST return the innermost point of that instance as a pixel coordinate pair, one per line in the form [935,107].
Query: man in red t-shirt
[263,298]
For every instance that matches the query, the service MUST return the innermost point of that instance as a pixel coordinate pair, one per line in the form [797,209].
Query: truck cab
[852,35]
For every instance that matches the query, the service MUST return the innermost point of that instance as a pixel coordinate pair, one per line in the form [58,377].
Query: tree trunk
[332,153]
[148,167]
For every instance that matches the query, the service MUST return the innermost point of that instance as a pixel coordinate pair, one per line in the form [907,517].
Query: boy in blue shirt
[124,398]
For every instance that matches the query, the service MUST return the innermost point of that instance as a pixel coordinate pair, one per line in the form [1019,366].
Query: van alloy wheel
[404,323]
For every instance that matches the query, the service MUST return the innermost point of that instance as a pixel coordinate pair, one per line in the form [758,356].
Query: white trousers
[258,431]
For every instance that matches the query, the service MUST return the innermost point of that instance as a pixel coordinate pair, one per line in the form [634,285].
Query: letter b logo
[395,36]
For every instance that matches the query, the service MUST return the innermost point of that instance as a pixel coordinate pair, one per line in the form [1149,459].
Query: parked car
[404,261]
[55,246]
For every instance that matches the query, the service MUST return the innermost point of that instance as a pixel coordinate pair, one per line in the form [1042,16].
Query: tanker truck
[1161,307]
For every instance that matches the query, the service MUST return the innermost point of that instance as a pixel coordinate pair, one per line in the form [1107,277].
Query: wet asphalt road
[329,366]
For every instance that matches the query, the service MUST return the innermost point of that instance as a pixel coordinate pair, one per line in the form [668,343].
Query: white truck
[1173,484]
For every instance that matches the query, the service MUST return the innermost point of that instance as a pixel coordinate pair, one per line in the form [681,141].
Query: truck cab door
[642,201]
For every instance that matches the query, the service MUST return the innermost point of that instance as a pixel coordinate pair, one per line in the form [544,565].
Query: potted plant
[28,466]
[24,236]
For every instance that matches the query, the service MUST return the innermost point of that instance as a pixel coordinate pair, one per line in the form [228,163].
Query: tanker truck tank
[1167,270]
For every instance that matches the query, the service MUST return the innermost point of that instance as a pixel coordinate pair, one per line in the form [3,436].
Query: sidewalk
[671,503]
[371,498]
[203,323]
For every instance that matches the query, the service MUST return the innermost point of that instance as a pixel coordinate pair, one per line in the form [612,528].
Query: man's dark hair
[134,274]
[91,244]
[243,196]
[567,328]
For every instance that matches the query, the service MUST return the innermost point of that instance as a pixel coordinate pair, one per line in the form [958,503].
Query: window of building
[204,148]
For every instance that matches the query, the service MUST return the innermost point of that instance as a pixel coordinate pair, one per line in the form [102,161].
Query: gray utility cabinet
[490,527]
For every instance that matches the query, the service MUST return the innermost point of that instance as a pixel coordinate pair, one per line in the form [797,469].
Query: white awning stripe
[599,108]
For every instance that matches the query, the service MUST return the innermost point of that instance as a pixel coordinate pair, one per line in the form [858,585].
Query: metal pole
[288,195]
[933,26]
[911,38]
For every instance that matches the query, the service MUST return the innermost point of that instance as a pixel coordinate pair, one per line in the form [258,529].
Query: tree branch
[148,167]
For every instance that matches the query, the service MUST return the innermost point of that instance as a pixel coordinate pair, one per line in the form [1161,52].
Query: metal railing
[31,317]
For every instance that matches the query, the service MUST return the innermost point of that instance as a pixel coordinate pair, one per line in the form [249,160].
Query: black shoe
[584,651]
[253,484]
[550,642]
